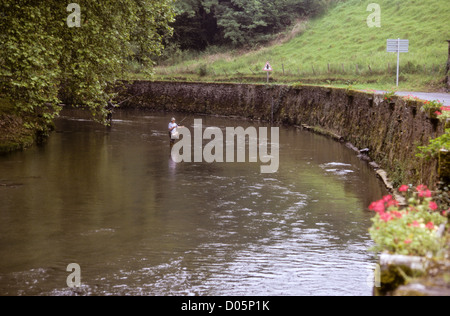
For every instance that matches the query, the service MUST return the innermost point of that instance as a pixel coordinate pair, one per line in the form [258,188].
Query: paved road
[443,97]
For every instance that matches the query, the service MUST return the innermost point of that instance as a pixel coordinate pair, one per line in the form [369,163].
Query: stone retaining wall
[390,129]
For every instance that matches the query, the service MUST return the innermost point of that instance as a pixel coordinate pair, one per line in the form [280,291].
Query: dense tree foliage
[43,61]
[200,23]
[42,58]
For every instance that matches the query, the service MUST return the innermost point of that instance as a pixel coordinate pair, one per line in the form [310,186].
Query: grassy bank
[338,48]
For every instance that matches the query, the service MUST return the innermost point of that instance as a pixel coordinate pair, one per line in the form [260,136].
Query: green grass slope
[339,46]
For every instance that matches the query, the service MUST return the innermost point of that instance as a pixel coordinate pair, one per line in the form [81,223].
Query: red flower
[421,187]
[378,207]
[430,225]
[433,206]
[423,191]
[438,113]
[392,203]
[408,241]
[387,198]
[386,217]
[403,188]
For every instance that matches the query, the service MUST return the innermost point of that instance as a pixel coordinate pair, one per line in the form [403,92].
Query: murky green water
[113,201]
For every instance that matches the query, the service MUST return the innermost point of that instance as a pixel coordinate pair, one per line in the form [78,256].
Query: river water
[114,202]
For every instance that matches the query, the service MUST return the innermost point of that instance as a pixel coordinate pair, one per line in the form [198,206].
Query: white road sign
[397,46]
[268,67]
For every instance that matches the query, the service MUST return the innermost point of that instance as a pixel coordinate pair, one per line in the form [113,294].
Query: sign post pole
[268,68]
[397,46]
[398,59]
[448,68]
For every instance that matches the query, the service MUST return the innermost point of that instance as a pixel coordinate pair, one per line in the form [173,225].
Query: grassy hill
[340,48]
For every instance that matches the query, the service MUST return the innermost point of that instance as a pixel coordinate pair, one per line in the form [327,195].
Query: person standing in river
[173,126]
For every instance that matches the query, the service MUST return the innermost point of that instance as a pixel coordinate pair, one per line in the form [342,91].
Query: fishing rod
[183,120]
[128,99]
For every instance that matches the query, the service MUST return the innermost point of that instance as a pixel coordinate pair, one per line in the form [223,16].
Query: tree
[195,26]
[29,56]
[253,21]
[200,23]
[43,60]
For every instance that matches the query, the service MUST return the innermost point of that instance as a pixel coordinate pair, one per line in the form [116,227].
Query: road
[443,97]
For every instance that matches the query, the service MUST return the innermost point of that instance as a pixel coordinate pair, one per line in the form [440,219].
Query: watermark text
[233,144]
[74,19]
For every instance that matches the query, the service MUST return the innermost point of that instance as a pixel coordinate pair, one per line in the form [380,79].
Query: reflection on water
[113,201]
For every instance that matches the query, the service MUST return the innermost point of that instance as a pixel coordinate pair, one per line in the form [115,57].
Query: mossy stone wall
[391,129]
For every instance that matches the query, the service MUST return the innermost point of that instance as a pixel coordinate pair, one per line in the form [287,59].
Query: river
[113,201]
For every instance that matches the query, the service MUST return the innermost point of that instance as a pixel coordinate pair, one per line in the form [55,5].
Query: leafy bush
[432,107]
[435,146]
[436,109]
[389,96]
[202,70]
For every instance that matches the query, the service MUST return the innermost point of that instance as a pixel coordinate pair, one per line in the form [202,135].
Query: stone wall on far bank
[390,129]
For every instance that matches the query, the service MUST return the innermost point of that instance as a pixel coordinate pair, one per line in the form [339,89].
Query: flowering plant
[410,97]
[433,108]
[436,110]
[389,96]
[410,229]
[443,113]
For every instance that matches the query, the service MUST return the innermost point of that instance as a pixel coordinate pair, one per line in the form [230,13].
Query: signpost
[448,68]
[397,46]
[268,68]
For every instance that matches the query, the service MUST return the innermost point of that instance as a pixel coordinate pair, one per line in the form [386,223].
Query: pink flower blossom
[421,187]
[430,225]
[403,188]
[414,224]
[433,206]
[386,217]
[392,203]
[423,191]
[408,241]
[378,207]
